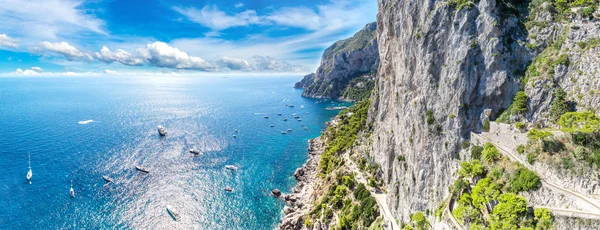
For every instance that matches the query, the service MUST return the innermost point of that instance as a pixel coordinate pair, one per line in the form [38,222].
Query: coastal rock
[298,173]
[276,192]
[343,62]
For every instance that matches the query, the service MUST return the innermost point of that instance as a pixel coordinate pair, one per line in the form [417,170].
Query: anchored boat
[231,167]
[107,179]
[29,173]
[173,213]
[142,169]
[71,191]
[161,130]
[195,151]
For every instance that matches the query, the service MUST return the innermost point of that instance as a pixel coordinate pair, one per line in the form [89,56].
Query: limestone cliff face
[342,62]
[441,66]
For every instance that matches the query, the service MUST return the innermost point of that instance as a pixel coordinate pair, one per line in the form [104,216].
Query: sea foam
[85,122]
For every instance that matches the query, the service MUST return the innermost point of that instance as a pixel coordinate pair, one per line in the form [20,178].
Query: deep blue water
[40,116]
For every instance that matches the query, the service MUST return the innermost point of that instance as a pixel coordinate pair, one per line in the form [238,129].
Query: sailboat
[71,191]
[30,173]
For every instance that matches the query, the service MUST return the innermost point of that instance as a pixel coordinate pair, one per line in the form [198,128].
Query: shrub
[429,117]
[486,125]
[567,162]
[543,218]
[575,122]
[520,102]
[452,116]
[476,152]
[531,157]
[520,149]
[536,134]
[559,105]
[581,153]
[490,153]
[420,221]
[524,180]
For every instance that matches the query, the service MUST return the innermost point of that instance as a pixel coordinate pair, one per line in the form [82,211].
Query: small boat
[107,179]
[283,132]
[302,107]
[29,173]
[71,191]
[291,106]
[236,130]
[228,189]
[279,114]
[231,167]
[142,169]
[299,119]
[266,117]
[284,119]
[296,117]
[172,213]
[234,136]
[304,128]
[161,130]
[272,125]
[195,151]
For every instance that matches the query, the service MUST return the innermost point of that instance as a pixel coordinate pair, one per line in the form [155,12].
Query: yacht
[107,179]
[161,130]
[195,151]
[228,189]
[142,169]
[231,167]
[71,191]
[29,173]
[172,213]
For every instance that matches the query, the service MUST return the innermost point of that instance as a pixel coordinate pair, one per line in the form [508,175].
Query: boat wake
[85,122]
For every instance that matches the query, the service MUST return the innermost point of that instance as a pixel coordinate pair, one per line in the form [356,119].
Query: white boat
[283,132]
[71,191]
[228,189]
[29,173]
[231,167]
[142,169]
[107,179]
[174,214]
[289,130]
[304,128]
[272,125]
[195,151]
[161,130]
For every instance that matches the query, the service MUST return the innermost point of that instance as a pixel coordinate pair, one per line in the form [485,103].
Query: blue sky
[100,37]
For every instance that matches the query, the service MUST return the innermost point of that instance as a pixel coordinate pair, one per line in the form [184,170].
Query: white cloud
[46,19]
[121,56]
[26,72]
[6,41]
[233,63]
[68,51]
[110,72]
[212,17]
[238,5]
[160,54]
[300,17]
[271,64]
[37,69]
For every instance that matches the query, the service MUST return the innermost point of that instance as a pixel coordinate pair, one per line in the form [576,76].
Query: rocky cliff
[443,63]
[343,62]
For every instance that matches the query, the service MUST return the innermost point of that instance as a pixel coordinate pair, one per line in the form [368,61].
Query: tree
[559,105]
[520,102]
[524,180]
[490,153]
[509,211]
[543,219]
[579,122]
[421,223]
[476,152]
[484,192]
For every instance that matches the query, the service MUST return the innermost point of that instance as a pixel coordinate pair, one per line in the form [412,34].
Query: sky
[110,37]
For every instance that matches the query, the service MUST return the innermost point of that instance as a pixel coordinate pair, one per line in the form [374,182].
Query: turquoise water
[40,116]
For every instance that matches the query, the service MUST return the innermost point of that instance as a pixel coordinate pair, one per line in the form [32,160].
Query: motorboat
[266,117]
[174,214]
[195,151]
[228,189]
[283,132]
[71,191]
[279,114]
[299,119]
[296,117]
[29,173]
[236,130]
[304,128]
[107,179]
[272,125]
[161,130]
[291,106]
[234,136]
[142,169]
[289,130]
[284,119]
[231,167]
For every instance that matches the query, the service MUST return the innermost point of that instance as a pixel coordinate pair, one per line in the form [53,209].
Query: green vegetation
[536,134]
[359,89]
[518,107]
[587,7]
[579,122]
[494,191]
[429,117]
[476,152]
[343,136]
[559,105]
[459,4]
[520,125]
[486,125]
[490,153]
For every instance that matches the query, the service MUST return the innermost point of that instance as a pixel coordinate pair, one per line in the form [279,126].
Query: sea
[78,129]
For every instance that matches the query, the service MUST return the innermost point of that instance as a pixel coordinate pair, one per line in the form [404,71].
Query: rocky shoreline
[298,203]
